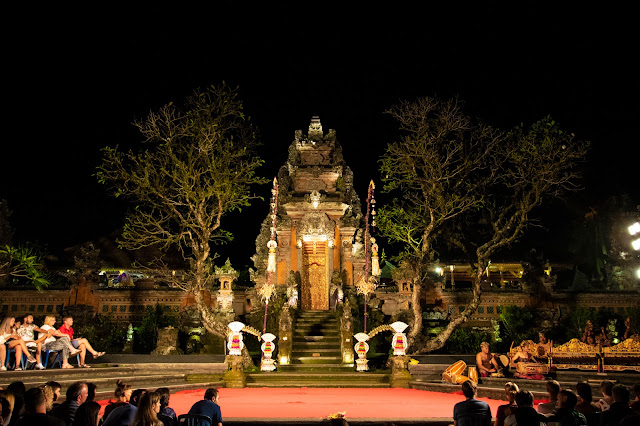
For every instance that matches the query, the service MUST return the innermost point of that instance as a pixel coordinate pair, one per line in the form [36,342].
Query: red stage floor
[267,403]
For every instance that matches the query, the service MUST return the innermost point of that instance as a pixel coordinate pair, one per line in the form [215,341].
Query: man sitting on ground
[76,395]
[78,343]
[553,389]
[35,406]
[210,408]
[486,361]
[471,412]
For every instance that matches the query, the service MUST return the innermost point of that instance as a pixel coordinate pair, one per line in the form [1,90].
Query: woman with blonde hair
[56,341]
[9,335]
[48,395]
[510,391]
[7,401]
[148,408]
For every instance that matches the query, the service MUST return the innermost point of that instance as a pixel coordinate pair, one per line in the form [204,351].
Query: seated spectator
[76,395]
[525,414]
[78,343]
[635,404]
[471,412]
[566,415]
[124,415]
[553,388]
[210,408]
[619,408]
[27,332]
[54,340]
[7,401]
[88,414]
[585,399]
[48,395]
[122,395]
[18,390]
[35,405]
[148,408]
[606,387]
[510,390]
[10,337]
[92,391]
[167,415]
[55,387]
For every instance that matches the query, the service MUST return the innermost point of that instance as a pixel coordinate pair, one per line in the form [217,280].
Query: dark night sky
[76,82]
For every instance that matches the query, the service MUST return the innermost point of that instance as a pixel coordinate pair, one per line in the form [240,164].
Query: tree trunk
[416,307]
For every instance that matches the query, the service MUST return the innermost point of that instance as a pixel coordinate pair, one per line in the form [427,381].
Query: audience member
[486,361]
[553,388]
[510,390]
[210,408]
[10,337]
[55,387]
[471,412]
[606,387]
[166,415]
[566,415]
[635,404]
[525,414]
[122,395]
[619,408]
[88,414]
[56,341]
[148,408]
[124,415]
[76,395]
[48,395]
[92,391]
[35,404]
[78,343]
[18,390]
[585,399]
[7,401]
[27,332]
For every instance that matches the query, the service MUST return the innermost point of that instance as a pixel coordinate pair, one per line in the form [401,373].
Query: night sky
[74,83]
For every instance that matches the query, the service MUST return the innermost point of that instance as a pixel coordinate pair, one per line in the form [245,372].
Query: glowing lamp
[638,273]
[439,270]
[636,244]
[284,360]
[616,341]
[635,228]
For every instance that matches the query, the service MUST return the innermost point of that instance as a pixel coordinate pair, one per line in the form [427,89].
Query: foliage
[23,263]
[515,325]
[466,340]
[104,333]
[469,182]
[197,166]
[146,334]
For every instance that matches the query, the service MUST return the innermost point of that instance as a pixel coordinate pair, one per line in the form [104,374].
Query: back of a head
[87,414]
[121,389]
[164,396]
[606,387]
[621,393]
[570,398]
[469,389]
[135,396]
[91,387]
[340,421]
[211,393]
[34,401]
[145,414]
[524,399]
[553,387]
[583,389]
[511,389]
[527,416]
[74,390]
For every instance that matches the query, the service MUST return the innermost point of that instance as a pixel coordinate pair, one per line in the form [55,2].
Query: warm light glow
[307,238]
[636,244]
[438,270]
[638,274]
[635,228]
[616,341]
[347,358]
[284,338]
[284,360]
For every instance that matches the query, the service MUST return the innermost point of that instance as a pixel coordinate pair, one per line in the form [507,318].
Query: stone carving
[316,224]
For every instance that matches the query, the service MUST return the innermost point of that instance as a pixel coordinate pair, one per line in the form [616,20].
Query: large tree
[196,165]
[449,171]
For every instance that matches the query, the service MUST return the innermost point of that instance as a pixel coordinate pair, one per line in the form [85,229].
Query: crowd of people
[140,407]
[565,407]
[20,337]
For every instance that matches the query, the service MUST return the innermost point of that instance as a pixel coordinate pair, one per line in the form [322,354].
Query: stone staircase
[316,359]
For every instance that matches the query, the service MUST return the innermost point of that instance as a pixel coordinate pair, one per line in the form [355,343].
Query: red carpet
[319,403]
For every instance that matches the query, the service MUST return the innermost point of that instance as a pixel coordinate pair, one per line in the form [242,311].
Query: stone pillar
[346,334]
[234,377]
[167,342]
[400,376]
[285,336]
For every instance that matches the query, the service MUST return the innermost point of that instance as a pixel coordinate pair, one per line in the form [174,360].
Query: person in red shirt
[79,343]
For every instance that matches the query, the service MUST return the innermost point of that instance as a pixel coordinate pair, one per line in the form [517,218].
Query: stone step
[319,345]
[337,359]
[326,368]
[317,379]
[305,338]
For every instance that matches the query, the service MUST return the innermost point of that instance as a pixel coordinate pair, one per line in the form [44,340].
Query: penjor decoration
[268,348]
[234,338]
[368,282]
[399,340]
[361,348]
[266,291]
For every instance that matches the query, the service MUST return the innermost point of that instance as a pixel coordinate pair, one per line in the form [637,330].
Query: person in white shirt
[27,332]
[54,340]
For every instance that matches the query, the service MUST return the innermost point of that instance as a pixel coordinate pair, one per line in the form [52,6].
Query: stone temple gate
[318,226]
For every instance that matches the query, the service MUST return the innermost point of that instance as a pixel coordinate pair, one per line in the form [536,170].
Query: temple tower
[318,225]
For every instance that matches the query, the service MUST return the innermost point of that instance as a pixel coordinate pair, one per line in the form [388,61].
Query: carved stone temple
[319,221]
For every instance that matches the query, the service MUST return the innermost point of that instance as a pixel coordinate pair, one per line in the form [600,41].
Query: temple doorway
[315,285]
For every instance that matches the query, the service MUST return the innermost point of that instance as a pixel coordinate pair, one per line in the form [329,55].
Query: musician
[486,361]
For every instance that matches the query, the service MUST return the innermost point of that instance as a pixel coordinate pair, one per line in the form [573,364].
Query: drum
[473,374]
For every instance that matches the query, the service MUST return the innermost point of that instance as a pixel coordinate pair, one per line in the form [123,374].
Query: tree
[471,182]
[22,262]
[198,166]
